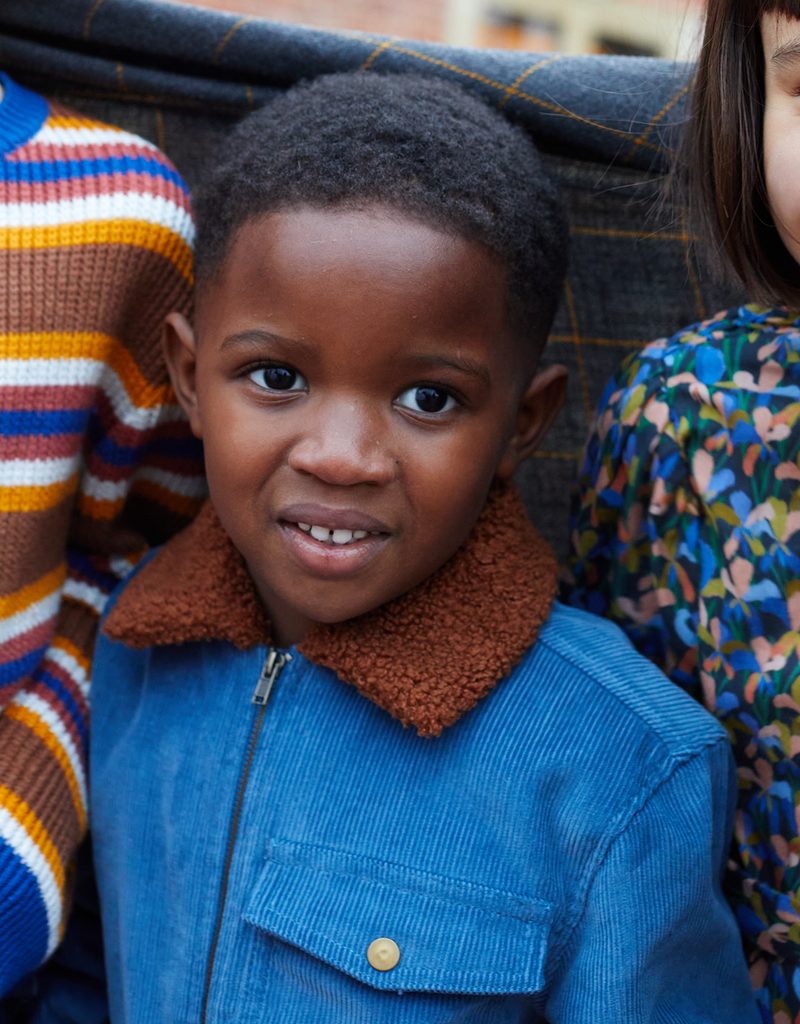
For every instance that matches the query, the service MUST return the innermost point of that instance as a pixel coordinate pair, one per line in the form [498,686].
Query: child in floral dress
[686,523]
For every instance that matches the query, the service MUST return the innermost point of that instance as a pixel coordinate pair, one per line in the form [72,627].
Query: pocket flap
[453,936]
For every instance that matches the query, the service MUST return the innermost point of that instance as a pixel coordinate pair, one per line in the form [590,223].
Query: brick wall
[413,19]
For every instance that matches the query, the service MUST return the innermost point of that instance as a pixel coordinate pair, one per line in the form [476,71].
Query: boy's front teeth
[326,536]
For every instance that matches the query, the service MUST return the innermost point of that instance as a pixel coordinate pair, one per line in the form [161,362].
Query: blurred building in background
[656,28]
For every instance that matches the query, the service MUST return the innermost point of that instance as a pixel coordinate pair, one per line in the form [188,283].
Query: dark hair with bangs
[722,151]
[422,146]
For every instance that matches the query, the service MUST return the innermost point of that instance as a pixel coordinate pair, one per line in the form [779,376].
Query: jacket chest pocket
[444,935]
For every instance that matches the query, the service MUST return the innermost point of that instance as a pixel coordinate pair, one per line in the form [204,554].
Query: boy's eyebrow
[461,363]
[256,339]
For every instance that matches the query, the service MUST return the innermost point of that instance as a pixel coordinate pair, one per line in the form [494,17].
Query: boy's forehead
[374,239]
[347,264]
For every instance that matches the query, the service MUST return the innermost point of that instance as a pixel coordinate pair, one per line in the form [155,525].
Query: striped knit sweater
[95,461]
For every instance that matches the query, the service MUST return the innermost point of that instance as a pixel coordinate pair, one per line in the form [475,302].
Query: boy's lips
[332,541]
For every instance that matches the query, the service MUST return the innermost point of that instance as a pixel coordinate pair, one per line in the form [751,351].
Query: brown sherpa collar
[426,657]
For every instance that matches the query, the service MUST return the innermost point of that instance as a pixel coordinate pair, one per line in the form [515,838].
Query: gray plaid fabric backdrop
[181,76]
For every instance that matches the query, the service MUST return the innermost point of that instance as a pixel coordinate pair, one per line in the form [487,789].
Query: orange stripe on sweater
[21,599]
[36,499]
[99,508]
[100,347]
[35,830]
[73,650]
[40,728]
[56,345]
[59,121]
[140,391]
[121,231]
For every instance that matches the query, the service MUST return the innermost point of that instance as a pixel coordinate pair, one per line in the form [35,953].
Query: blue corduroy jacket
[554,855]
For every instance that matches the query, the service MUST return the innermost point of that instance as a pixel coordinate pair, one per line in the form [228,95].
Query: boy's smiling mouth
[332,541]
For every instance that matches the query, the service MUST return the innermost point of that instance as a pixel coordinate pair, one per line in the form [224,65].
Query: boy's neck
[288,627]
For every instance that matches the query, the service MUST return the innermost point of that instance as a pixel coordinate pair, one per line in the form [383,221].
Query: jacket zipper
[274,664]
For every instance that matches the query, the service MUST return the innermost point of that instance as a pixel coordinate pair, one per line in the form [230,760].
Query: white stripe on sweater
[29,618]
[88,593]
[186,486]
[50,135]
[69,663]
[32,373]
[37,472]
[104,490]
[113,490]
[136,206]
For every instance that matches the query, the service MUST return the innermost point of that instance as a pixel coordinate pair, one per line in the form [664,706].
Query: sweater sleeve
[96,462]
[657,942]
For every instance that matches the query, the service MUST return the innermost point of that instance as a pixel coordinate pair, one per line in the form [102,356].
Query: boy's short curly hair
[420,145]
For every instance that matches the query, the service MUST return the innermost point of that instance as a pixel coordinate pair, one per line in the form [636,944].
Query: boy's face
[356,388]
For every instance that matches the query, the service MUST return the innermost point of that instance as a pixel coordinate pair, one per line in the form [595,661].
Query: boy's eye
[427,399]
[278,378]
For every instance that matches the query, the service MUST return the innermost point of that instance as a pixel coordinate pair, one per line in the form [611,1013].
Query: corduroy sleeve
[657,942]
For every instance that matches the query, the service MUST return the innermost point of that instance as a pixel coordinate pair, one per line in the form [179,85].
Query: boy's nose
[344,445]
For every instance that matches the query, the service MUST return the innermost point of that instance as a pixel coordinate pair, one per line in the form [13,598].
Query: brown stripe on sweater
[32,545]
[78,623]
[112,289]
[30,769]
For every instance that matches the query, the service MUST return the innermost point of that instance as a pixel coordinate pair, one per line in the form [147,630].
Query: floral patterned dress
[686,532]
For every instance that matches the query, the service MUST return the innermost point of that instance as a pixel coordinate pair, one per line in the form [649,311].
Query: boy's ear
[537,409]
[180,354]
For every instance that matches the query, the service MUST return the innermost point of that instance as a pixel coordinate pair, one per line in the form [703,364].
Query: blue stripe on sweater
[115,454]
[84,565]
[23,920]
[15,671]
[45,423]
[118,455]
[70,170]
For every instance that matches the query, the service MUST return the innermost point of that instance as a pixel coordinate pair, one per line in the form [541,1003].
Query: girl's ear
[537,409]
[180,354]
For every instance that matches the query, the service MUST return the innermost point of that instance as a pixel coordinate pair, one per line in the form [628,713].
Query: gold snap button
[383,954]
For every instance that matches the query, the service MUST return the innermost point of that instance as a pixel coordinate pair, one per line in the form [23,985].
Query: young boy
[378,263]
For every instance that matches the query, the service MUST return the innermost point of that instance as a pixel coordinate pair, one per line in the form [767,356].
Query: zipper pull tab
[273,666]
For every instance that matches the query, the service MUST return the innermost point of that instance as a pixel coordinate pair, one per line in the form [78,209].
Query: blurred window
[624,48]
[503,31]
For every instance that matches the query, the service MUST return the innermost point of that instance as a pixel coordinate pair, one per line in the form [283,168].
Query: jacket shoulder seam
[615,830]
[670,750]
